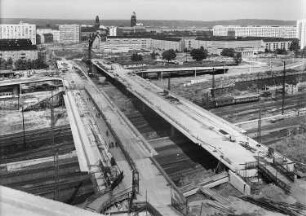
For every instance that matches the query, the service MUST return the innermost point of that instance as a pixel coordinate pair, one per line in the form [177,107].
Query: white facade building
[18,31]
[56,35]
[256,31]
[41,33]
[113,31]
[301,32]
[70,33]
[125,44]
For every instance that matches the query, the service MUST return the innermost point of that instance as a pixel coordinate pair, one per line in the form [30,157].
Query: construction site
[162,141]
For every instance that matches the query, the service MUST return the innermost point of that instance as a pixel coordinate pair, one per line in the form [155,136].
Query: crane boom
[91,39]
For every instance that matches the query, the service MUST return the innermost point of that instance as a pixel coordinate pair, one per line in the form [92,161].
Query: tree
[10,61]
[230,52]
[238,58]
[136,57]
[169,55]
[199,54]
[22,64]
[295,45]
[304,52]
[154,54]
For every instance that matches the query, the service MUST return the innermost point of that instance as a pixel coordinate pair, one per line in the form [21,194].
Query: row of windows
[6,93]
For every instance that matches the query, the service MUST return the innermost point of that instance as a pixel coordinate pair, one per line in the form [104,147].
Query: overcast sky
[154,9]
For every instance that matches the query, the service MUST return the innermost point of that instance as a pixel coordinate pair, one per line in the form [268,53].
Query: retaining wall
[239,183]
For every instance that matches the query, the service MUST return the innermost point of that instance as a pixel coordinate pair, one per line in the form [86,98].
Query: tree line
[196,54]
[22,64]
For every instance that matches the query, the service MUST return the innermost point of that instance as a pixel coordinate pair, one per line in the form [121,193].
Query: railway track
[41,152]
[243,111]
[14,143]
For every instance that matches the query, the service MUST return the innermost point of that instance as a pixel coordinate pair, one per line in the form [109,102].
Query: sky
[205,10]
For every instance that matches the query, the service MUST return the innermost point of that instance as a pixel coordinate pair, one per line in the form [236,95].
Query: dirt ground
[11,120]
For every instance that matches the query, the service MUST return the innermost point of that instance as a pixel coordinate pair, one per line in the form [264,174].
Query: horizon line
[150,19]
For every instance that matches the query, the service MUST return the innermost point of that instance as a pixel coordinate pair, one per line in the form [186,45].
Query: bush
[136,57]
[281,52]
[230,52]
[6,65]
[21,64]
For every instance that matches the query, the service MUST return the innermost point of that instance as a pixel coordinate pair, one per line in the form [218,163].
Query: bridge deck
[27,80]
[202,127]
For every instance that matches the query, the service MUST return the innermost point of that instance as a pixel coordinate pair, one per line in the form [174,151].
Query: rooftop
[16,44]
[226,38]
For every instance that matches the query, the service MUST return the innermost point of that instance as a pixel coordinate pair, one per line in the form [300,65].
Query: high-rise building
[133,20]
[69,33]
[301,32]
[255,31]
[18,31]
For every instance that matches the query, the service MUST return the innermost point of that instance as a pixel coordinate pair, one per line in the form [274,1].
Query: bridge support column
[143,107]
[172,131]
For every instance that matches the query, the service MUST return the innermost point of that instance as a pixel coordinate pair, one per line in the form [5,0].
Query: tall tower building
[97,22]
[301,32]
[133,19]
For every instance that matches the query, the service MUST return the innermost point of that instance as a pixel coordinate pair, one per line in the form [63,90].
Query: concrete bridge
[220,138]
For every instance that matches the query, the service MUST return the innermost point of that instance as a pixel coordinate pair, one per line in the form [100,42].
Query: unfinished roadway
[152,186]
[217,136]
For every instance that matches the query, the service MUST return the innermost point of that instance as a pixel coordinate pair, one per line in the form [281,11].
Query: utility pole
[258,83]
[213,84]
[56,164]
[23,127]
[259,127]
[146,203]
[284,88]
[169,84]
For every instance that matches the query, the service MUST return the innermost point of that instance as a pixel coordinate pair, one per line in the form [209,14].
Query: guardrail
[272,177]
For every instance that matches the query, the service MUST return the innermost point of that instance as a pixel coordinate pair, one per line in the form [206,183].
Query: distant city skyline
[205,10]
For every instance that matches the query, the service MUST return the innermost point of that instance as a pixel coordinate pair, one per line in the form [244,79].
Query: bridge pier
[143,107]
[172,131]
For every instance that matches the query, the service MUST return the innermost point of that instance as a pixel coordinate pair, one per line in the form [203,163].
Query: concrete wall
[248,173]
[239,183]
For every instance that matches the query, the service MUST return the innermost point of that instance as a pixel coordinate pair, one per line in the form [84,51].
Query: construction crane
[91,39]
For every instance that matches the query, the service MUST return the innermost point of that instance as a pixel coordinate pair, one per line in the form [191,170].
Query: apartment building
[256,31]
[273,44]
[301,32]
[124,44]
[45,32]
[216,44]
[16,49]
[18,31]
[69,33]
[160,43]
